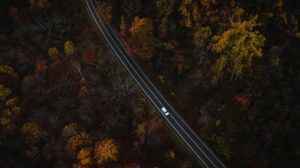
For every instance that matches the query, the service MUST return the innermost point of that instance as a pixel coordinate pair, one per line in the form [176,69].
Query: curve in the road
[186,134]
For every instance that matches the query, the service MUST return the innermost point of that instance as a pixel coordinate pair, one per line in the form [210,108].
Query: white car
[164,110]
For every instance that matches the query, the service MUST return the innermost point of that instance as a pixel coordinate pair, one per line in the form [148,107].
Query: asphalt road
[201,151]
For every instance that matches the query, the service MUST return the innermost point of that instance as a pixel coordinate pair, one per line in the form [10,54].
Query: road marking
[166,102]
[145,83]
[141,80]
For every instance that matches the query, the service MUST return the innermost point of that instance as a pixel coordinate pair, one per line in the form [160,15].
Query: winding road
[201,151]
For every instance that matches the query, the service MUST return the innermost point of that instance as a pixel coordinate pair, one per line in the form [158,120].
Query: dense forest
[230,68]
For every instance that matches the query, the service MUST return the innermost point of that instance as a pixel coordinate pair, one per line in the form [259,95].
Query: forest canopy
[230,68]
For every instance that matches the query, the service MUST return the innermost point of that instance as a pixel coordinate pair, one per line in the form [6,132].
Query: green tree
[237,48]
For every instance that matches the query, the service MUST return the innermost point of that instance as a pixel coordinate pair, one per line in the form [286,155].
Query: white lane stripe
[165,101]
[171,109]
[145,84]
[143,81]
[151,98]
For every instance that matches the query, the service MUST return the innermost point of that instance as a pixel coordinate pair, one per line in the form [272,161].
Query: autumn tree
[77,141]
[237,48]
[7,125]
[196,13]
[141,132]
[4,92]
[13,108]
[89,55]
[179,61]
[53,52]
[186,11]
[8,70]
[38,3]
[165,7]
[123,27]
[202,37]
[69,48]
[33,132]
[106,151]
[142,38]
[70,130]
[85,156]
[104,10]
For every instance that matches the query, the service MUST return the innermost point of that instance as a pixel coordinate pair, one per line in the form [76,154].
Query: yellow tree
[185,10]
[6,69]
[106,151]
[123,26]
[142,38]
[85,156]
[4,92]
[33,132]
[77,141]
[69,48]
[237,48]
[53,52]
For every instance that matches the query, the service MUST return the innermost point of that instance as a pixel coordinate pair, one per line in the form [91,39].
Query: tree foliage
[6,69]
[33,132]
[77,141]
[53,52]
[85,156]
[8,126]
[104,9]
[165,7]
[237,47]
[106,151]
[38,3]
[142,37]
[69,48]
[123,26]
[186,12]
[54,109]
[202,37]
[4,92]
